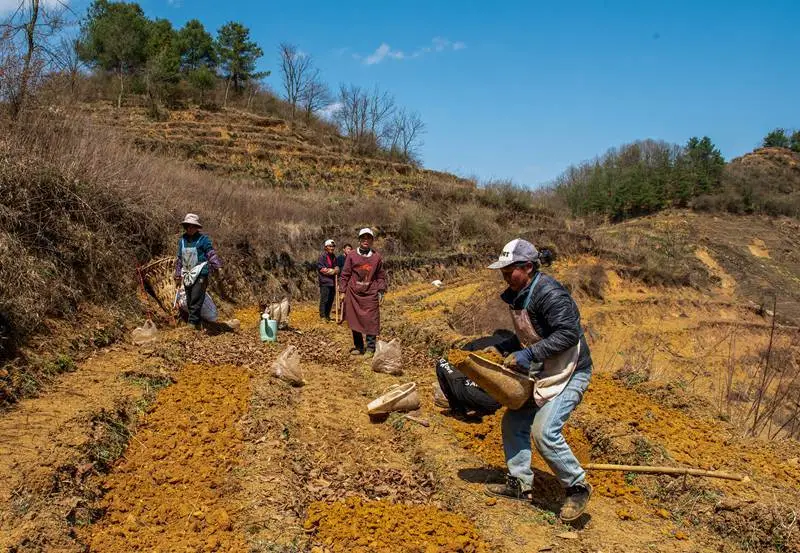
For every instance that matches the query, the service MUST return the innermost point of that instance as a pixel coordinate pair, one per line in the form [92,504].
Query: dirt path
[229,458]
[50,445]
[323,450]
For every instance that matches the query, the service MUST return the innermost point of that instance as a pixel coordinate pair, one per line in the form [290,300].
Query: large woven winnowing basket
[158,280]
[400,397]
[509,388]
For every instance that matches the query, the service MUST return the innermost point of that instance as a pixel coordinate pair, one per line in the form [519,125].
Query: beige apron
[190,268]
[557,370]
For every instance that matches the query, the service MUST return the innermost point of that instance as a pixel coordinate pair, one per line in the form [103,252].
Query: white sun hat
[329,242]
[192,219]
[366,230]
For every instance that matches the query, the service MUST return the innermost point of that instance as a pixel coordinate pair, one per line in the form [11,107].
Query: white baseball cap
[516,251]
[330,242]
[366,230]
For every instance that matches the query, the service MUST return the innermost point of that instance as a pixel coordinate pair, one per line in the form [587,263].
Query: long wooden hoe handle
[666,470]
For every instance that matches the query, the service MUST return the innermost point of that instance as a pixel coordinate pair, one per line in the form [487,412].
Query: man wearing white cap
[363,282]
[196,258]
[550,348]
[327,269]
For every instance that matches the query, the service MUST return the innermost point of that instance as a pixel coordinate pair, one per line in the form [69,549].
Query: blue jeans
[544,425]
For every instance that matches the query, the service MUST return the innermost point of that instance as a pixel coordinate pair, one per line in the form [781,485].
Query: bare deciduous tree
[353,114]
[297,73]
[364,116]
[26,33]
[381,109]
[405,135]
[65,59]
[315,97]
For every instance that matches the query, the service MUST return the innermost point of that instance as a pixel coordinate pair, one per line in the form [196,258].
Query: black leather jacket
[555,317]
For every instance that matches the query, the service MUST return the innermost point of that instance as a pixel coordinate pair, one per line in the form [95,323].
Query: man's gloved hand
[517,362]
[522,362]
[380,298]
[491,350]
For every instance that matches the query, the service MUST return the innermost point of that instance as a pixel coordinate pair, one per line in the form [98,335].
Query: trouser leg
[516,428]
[358,341]
[477,399]
[445,374]
[547,431]
[195,294]
[371,340]
[325,301]
[462,393]
[329,305]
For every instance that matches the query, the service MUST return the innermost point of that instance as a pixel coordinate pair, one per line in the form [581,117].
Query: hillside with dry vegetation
[80,186]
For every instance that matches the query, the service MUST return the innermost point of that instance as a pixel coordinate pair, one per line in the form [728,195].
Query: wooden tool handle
[665,470]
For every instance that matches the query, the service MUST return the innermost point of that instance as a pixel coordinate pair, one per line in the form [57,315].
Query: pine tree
[114,38]
[237,56]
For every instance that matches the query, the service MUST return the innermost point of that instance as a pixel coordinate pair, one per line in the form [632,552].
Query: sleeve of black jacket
[559,312]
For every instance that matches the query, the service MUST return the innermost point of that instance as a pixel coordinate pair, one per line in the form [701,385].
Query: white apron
[553,378]
[190,268]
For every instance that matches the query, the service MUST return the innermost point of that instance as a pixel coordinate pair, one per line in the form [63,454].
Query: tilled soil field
[171,490]
[230,458]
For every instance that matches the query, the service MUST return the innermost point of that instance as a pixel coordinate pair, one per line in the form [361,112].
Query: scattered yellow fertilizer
[384,527]
[457,356]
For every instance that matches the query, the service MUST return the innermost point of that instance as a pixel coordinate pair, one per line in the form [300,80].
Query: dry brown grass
[588,279]
[72,226]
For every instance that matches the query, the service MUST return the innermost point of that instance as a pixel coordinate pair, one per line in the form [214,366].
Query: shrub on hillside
[67,234]
[416,231]
[474,222]
[504,194]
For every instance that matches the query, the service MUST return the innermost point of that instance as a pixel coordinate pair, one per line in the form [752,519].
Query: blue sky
[520,90]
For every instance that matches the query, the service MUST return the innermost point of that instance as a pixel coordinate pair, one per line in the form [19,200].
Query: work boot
[369,353]
[511,489]
[576,501]
[195,326]
[356,351]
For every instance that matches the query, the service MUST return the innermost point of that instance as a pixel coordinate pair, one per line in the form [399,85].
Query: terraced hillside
[235,142]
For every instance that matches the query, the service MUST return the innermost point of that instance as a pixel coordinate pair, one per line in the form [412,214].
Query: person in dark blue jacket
[195,261]
[327,270]
[548,346]
[346,249]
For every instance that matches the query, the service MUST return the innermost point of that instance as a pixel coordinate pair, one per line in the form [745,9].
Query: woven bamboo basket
[158,277]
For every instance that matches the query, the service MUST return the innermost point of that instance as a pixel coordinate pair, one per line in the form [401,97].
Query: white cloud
[440,44]
[384,51]
[330,110]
